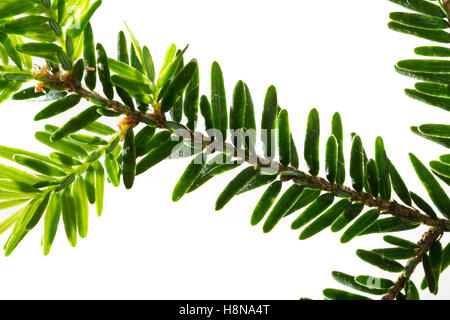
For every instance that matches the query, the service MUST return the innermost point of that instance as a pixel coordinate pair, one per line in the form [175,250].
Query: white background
[332,55]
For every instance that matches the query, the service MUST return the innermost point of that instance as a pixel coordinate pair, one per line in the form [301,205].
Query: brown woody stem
[438,226]
[425,243]
[387,207]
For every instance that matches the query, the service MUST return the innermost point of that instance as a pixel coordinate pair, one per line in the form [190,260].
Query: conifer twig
[425,243]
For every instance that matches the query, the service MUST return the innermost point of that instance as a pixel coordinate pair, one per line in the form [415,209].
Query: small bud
[126,124]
